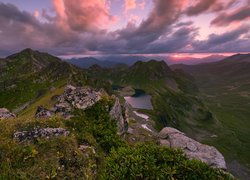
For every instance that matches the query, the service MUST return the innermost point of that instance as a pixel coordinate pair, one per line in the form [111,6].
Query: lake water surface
[140,100]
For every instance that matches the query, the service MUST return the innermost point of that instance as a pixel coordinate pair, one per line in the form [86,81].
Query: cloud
[224,19]
[173,42]
[130,4]
[162,16]
[225,42]
[36,13]
[81,15]
[78,28]
[200,7]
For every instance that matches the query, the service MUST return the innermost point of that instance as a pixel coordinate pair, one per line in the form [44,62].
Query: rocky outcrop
[194,150]
[6,114]
[42,112]
[80,97]
[73,97]
[119,114]
[23,136]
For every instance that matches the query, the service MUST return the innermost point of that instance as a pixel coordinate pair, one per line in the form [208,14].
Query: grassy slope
[225,87]
[61,158]
[173,95]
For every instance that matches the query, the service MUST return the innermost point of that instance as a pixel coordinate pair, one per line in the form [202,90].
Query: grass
[231,110]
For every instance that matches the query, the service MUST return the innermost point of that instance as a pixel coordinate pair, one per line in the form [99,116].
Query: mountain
[27,74]
[225,87]
[74,128]
[173,94]
[90,61]
[106,61]
[128,60]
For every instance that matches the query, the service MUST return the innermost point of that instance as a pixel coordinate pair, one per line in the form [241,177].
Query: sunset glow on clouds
[68,27]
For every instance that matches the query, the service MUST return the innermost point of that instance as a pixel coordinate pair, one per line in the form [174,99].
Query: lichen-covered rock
[73,97]
[80,97]
[22,136]
[193,149]
[117,114]
[6,114]
[43,112]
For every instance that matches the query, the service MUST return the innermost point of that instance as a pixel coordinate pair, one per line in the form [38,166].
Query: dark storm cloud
[224,42]
[227,18]
[174,42]
[162,31]
[159,22]
[200,7]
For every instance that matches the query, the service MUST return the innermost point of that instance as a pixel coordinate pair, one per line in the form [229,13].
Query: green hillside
[87,145]
[25,76]
[173,95]
[225,87]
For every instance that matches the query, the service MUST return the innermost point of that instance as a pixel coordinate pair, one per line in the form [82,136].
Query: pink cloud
[130,4]
[81,15]
[36,13]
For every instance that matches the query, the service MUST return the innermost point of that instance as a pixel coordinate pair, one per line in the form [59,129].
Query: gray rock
[193,149]
[164,142]
[42,112]
[6,114]
[117,114]
[79,97]
[23,136]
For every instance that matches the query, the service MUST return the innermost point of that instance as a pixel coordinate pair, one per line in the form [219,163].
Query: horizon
[129,27]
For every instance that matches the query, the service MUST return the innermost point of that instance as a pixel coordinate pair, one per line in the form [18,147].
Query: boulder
[192,149]
[6,114]
[23,136]
[43,112]
[80,97]
[117,114]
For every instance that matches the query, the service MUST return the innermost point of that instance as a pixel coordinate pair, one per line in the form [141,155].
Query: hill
[225,87]
[67,131]
[173,95]
[26,75]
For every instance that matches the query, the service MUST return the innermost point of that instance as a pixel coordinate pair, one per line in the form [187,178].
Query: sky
[99,27]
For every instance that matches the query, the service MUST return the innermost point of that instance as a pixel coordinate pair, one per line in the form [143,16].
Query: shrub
[149,161]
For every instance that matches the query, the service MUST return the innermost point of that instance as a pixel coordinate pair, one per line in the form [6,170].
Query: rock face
[193,149]
[22,136]
[6,114]
[42,112]
[119,114]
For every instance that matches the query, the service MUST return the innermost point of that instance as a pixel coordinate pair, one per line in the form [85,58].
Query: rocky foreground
[6,114]
[85,97]
[174,138]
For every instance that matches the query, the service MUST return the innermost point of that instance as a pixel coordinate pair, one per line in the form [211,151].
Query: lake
[140,100]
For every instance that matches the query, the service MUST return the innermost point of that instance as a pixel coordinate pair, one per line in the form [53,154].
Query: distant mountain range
[112,61]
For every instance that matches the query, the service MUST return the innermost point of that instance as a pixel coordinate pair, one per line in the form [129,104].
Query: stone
[80,97]
[164,142]
[6,114]
[117,114]
[191,148]
[23,136]
[43,112]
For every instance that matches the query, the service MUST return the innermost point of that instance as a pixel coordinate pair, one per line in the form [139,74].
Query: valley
[76,107]
[224,86]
